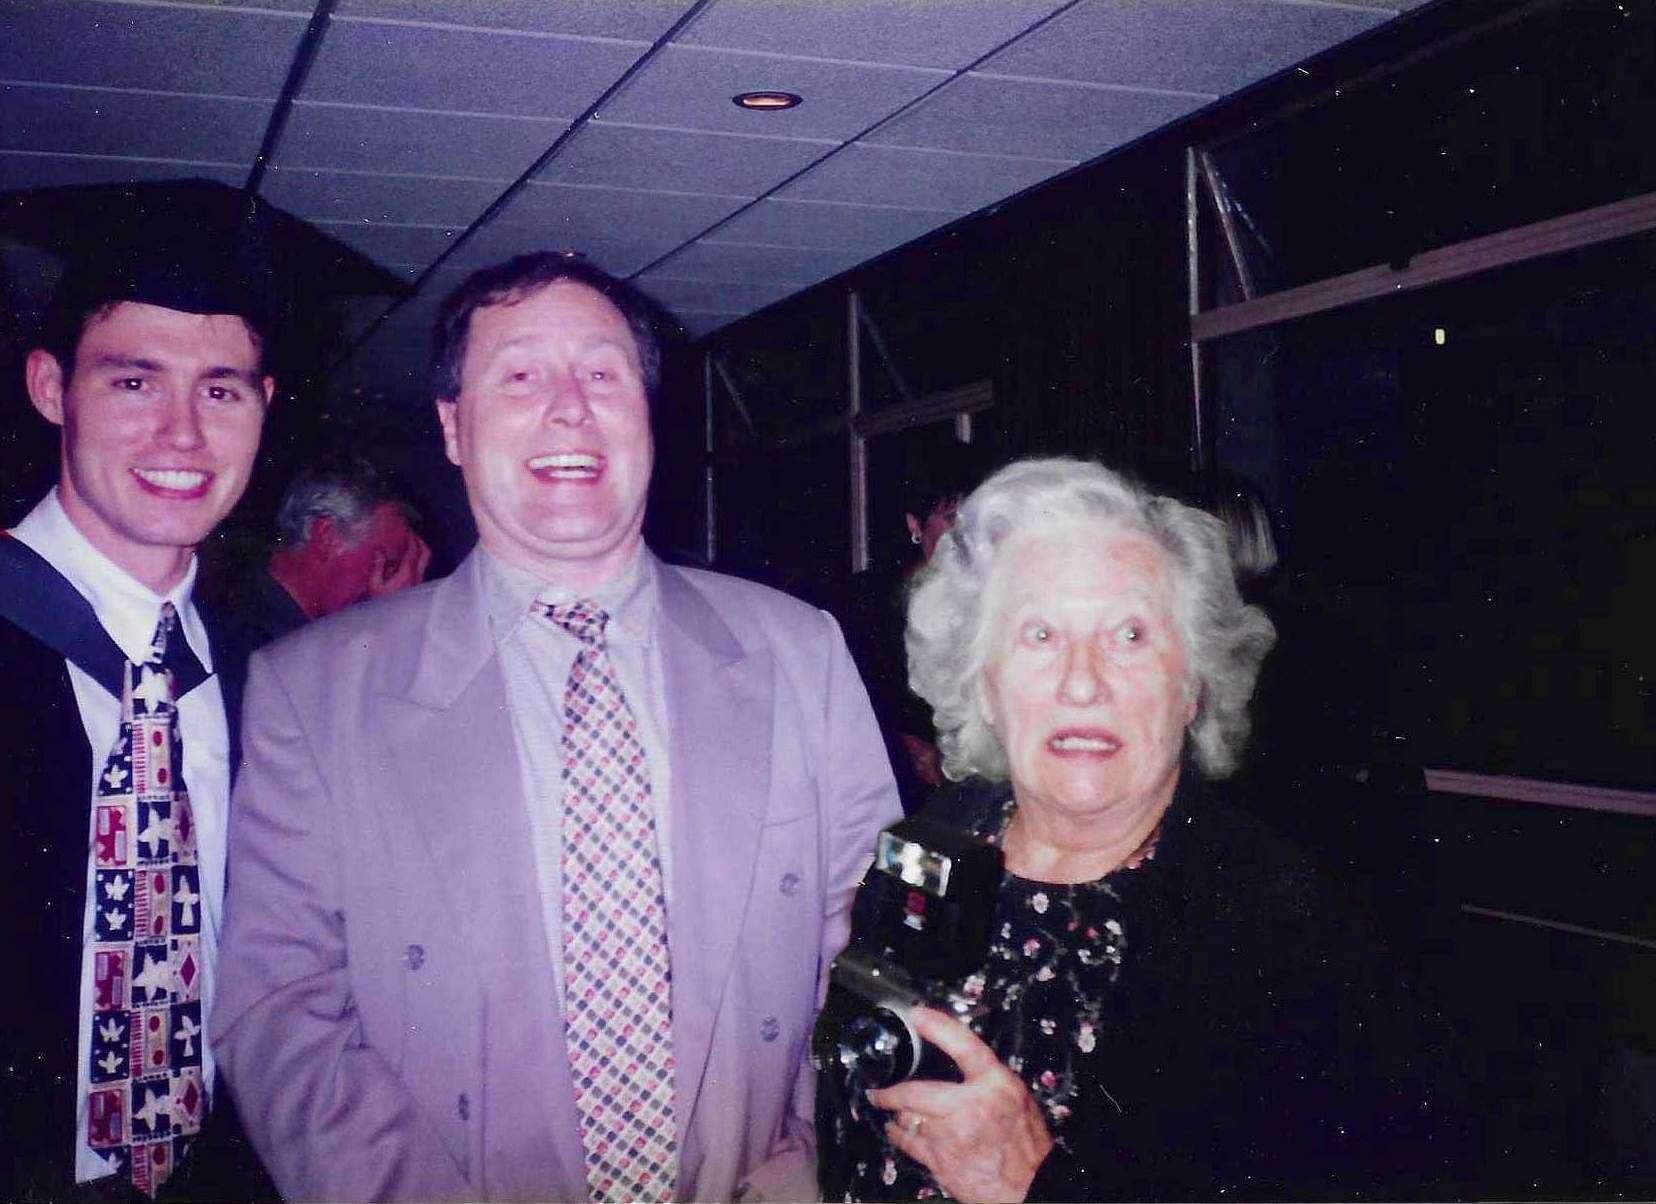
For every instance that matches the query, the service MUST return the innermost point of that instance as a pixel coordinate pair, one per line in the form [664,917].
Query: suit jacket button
[790,883]
[769,1028]
[414,955]
[464,1107]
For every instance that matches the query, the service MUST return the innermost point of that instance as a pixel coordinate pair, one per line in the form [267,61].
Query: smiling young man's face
[552,434]
[161,420]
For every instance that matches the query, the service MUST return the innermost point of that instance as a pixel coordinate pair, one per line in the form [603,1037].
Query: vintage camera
[922,927]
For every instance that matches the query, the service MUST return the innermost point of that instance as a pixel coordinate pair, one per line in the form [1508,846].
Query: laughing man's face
[551,431]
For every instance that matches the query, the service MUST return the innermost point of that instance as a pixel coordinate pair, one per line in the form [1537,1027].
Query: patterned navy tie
[617,984]
[147,1098]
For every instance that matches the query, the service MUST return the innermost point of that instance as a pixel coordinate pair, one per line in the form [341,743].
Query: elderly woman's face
[1085,682]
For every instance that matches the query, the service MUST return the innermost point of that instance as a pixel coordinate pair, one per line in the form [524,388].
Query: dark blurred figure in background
[344,535]
[1321,731]
[1339,731]
[874,620]
[1249,532]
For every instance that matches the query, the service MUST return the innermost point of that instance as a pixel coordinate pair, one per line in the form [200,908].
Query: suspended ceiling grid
[416,116]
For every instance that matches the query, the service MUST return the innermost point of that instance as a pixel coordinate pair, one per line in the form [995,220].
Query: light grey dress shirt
[536,656]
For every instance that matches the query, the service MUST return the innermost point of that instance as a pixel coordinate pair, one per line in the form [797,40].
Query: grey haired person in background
[343,535]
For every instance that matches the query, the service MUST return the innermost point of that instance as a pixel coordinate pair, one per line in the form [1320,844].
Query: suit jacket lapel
[455,761]
[720,714]
[458,779]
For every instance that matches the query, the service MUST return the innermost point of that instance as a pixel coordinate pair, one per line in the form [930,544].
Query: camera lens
[878,1048]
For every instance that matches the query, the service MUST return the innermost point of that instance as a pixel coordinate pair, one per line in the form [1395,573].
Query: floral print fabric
[1045,997]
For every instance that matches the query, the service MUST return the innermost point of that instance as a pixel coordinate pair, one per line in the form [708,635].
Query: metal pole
[859,445]
[1220,196]
[710,507]
[735,393]
[1198,453]
[1504,248]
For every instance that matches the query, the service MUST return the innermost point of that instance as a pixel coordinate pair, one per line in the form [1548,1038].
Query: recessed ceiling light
[765,102]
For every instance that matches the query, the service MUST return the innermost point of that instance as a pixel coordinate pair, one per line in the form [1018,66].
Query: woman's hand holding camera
[982,1139]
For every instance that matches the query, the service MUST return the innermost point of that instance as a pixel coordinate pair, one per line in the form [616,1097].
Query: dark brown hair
[516,279]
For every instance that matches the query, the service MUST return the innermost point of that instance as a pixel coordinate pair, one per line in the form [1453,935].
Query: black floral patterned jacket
[1213,1020]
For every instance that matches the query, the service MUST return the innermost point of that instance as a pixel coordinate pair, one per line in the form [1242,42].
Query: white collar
[126,607]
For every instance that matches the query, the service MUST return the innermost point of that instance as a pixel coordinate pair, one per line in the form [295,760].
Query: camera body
[926,913]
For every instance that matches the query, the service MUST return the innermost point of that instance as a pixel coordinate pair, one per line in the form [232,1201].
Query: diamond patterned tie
[147,1098]
[617,985]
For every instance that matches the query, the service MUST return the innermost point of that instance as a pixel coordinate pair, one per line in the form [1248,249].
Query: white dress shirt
[536,656]
[129,612]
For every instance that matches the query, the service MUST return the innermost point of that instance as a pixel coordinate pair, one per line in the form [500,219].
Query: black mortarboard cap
[192,245]
[202,271]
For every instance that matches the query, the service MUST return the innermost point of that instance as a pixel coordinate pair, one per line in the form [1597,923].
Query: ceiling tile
[619,256]
[350,196]
[303,7]
[717,296]
[408,329]
[938,33]
[865,229]
[139,124]
[230,52]
[637,20]
[369,156]
[610,214]
[392,243]
[738,262]
[424,67]
[409,324]
[446,278]
[629,157]
[920,179]
[368,139]
[29,169]
[1010,116]
[456,270]
[357,314]
[1212,46]
[690,88]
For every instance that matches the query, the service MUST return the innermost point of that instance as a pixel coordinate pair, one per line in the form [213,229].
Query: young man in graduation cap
[118,734]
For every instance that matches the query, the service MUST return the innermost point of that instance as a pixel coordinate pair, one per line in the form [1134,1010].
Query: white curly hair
[949,612]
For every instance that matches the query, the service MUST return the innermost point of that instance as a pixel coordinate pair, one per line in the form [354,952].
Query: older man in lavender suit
[406,1001]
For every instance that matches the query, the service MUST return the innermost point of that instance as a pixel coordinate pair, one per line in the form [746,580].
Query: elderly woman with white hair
[1173,1004]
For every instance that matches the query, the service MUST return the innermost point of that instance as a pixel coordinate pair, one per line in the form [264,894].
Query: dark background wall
[1068,303]
[1467,523]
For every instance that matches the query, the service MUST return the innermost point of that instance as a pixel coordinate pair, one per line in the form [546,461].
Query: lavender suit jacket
[386,1012]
